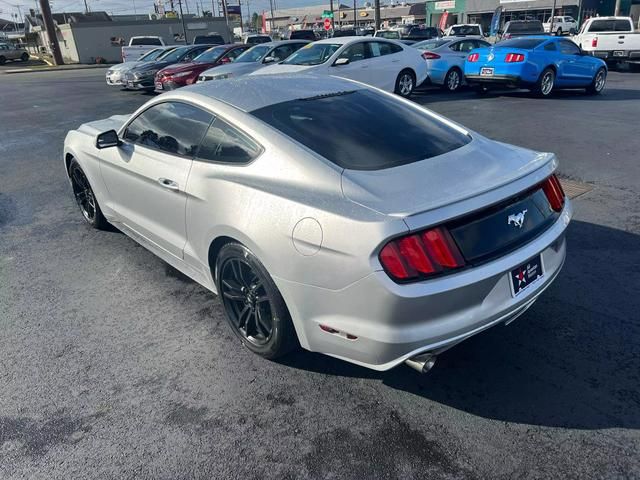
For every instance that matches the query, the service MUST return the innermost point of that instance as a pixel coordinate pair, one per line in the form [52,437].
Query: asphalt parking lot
[113,365]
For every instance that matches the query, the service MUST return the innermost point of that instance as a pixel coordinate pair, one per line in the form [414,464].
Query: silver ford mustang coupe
[328,214]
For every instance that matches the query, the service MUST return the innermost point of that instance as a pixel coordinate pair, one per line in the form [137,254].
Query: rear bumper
[621,55]
[514,80]
[395,322]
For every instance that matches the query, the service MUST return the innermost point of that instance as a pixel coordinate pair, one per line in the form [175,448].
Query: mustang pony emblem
[491,56]
[517,219]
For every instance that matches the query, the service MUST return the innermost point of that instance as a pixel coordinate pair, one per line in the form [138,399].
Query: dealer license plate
[486,72]
[529,273]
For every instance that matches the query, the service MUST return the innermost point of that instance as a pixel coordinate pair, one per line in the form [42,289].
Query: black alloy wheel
[253,305]
[85,198]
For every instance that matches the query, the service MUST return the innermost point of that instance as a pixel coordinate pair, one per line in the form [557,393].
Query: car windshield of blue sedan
[312,54]
[252,55]
[363,130]
[210,55]
[523,43]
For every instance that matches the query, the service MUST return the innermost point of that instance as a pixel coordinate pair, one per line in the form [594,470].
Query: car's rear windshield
[362,130]
[145,41]
[465,30]
[610,26]
[391,35]
[523,43]
[524,27]
[430,44]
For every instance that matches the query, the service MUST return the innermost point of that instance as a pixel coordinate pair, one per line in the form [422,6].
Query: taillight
[430,56]
[473,57]
[553,190]
[514,58]
[594,42]
[420,255]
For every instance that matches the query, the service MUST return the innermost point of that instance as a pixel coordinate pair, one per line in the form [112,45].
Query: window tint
[550,47]
[233,54]
[223,143]
[312,54]
[146,41]
[463,46]
[383,48]
[465,30]
[569,48]
[254,54]
[525,27]
[211,54]
[430,44]
[524,43]
[283,51]
[172,127]
[362,130]
[356,52]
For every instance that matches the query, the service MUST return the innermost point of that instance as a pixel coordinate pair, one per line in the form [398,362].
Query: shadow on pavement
[573,360]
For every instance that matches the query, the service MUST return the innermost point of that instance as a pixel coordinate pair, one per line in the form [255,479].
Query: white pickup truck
[138,46]
[611,38]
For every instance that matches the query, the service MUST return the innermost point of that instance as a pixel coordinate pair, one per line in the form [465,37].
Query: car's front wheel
[598,83]
[253,305]
[559,32]
[405,83]
[85,198]
[452,80]
[24,57]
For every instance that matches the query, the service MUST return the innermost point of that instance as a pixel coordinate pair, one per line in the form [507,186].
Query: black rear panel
[503,227]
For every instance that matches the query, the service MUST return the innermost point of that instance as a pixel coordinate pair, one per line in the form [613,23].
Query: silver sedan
[445,59]
[328,214]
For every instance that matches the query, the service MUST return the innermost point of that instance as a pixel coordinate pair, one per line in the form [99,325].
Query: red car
[182,74]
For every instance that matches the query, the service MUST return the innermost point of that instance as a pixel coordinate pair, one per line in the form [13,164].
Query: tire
[405,83]
[572,31]
[452,80]
[598,83]
[85,198]
[2,60]
[482,89]
[254,308]
[24,57]
[559,32]
[546,81]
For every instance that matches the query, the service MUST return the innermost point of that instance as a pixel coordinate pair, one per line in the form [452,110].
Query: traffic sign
[327,14]
[327,24]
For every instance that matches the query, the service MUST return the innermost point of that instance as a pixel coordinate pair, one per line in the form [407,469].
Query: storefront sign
[445,5]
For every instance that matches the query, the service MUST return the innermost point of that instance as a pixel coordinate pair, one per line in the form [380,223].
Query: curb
[55,69]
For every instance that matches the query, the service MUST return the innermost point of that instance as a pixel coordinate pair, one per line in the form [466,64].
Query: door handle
[168,184]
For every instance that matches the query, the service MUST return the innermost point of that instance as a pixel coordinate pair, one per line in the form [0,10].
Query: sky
[122,7]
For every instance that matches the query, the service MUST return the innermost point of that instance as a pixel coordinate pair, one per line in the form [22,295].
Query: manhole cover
[574,189]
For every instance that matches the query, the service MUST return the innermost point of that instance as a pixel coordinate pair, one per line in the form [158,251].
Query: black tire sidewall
[24,57]
[98,222]
[283,338]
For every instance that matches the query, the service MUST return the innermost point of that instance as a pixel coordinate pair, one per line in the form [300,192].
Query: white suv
[561,25]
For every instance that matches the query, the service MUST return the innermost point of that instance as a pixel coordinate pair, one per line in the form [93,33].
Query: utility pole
[376,14]
[184,27]
[225,13]
[86,7]
[618,8]
[355,20]
[332,19]
[186,4]
[51,32]
[553,17]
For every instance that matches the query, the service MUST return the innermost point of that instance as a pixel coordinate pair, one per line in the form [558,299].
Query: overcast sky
[116,7]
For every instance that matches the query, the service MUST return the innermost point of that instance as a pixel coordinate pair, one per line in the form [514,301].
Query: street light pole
[376,14]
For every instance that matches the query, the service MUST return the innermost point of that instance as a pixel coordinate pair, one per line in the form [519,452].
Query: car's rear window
[363,130]
[524,27]
[146,41]
[523,43]
[610,26]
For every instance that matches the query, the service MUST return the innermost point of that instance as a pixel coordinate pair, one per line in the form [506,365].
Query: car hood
[282,68]
[235,69]
[96,127]
[478,167]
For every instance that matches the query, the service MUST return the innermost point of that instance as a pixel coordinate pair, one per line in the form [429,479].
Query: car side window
[569,48]
[233,54]
[356,52]
[383,48]
[550,47]
[172,127]
[226,144]
[466,46]
[283,51]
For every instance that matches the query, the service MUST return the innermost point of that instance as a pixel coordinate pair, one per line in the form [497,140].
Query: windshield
[210,55]
[391,35]
[465,30]
[363,130]
[152,55]
[312,54]
[254,54]
[430,44]
[173,55]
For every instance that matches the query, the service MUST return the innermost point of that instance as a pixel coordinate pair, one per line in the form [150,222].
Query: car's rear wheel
[452,80]
[405,83]
[253,305]
[85,198]
[546,81]
[24,57]
[599,81]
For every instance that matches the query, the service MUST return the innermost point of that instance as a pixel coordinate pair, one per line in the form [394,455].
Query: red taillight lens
[420,255]
[553,190]
[594,42]
[473,57]
[430,56]
[514,57]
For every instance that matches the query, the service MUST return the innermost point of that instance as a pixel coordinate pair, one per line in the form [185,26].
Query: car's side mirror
[107,139]
[270,60]
[341,61]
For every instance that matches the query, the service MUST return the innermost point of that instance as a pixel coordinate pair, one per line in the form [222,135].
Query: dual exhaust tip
[422,363]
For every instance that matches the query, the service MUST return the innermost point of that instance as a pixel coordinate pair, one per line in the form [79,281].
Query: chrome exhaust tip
[422,363]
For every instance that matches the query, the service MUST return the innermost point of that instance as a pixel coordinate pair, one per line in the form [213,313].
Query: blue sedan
[540,63]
